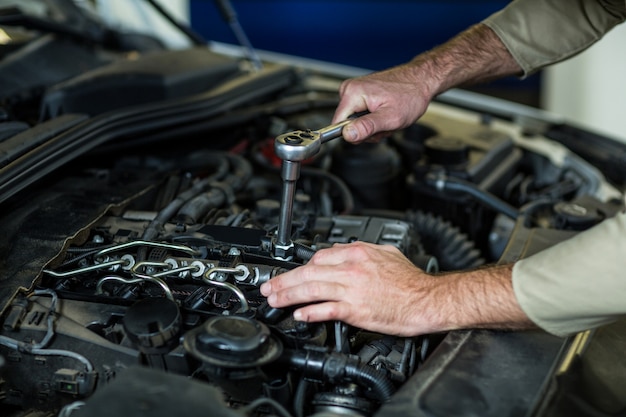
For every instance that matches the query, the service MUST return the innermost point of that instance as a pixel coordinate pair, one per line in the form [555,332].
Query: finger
[350,104]
[299,276]
[323,312]
[373,126]
[307,292]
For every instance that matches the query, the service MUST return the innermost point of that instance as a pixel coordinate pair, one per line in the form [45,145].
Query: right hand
[395,99]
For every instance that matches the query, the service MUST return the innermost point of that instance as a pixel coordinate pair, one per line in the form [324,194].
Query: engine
[165,278]
[177,289]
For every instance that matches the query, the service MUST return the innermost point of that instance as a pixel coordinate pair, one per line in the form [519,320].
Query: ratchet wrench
[293,148]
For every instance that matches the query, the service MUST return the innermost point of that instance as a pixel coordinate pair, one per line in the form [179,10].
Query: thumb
[364,127]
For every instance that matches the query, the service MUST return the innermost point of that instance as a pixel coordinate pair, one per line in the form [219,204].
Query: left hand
[369,286]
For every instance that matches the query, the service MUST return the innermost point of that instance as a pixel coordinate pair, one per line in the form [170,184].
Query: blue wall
[364,33]
[370,34]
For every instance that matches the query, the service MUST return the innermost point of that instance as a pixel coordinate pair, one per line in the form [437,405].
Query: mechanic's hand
[368,286]
[395,98]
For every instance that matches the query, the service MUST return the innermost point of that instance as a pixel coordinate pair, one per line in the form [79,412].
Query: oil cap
[446,150]
[232,341]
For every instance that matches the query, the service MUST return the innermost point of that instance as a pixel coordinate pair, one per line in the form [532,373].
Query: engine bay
[136,239]
[166,274]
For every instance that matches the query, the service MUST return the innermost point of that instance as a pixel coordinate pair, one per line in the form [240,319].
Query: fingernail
[349,133]
[297,315]
[271,299]
[266,288]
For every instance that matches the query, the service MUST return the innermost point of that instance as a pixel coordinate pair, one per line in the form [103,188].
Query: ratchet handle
[334,131]
[302,144]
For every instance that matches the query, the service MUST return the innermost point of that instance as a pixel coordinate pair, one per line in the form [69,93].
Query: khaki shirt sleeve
[578,284]
[541,32]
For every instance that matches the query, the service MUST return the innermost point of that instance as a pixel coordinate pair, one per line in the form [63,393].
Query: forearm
[475,55]
[482,298]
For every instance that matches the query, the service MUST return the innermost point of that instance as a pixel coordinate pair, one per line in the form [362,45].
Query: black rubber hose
[453,184]
[303,252]
[346,195]
[155,226]
[193,210]
[337,367]
[452,249]
[447,243]
[300,396]
[241,172]
[172,208]
[376,380]
[218,193]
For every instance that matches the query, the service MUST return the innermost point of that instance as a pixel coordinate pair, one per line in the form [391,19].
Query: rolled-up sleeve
[541,32]
[578,284]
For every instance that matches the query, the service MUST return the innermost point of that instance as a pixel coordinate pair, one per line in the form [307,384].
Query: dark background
[369,34]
